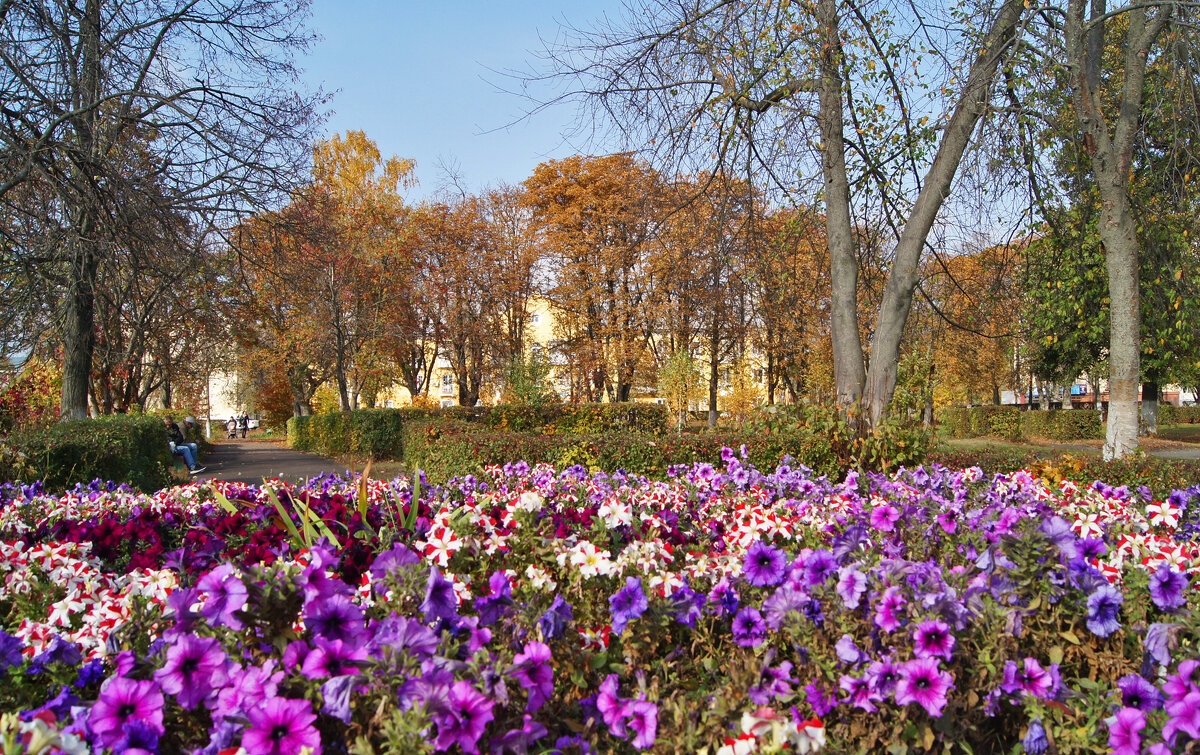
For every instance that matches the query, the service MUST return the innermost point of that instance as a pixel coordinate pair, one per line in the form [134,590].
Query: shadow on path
[253,461]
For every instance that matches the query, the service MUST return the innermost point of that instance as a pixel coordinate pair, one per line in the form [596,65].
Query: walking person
[243,424]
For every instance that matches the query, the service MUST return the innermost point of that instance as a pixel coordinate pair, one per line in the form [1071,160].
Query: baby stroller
[231,428]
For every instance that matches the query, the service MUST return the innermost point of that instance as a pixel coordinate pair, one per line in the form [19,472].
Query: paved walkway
[254,460]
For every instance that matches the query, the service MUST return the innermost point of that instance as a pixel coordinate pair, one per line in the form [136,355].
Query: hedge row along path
[252,461]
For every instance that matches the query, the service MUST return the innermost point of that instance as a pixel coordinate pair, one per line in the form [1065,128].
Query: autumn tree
[595,218]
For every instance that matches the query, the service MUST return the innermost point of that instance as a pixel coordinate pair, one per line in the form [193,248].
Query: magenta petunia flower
[195,667]
[247,688]
[467,715]
[884,517]
[933,640]
[1123,728]
[123,700]
[643,719]
[1028,678]
[860,693]
[923,683]
[332,658]
[532,669]
[226,596]
[280,726]
[888,611]
[612,708]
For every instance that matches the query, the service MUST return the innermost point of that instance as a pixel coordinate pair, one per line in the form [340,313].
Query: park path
[252,461]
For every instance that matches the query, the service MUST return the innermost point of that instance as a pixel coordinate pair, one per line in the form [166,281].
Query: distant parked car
[252,424]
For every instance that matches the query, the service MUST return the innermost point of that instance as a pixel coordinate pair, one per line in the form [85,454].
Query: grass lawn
[1181,433]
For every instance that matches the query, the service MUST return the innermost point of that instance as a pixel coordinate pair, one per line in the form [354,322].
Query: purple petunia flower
[1137,692]
[335,618]
[390,560]
[923,683]
[137,738]
[785,600]
[887,611]
[518,741]
[1166,588]
[627,604]
[332,658]
[194,668]
[498,600]
[1028,678]
[336,694]
[123,700]
[723,599]
[643,719]
[281,726]
[819,567]
[850,587]
[764,565]
[403,634]
[933,640]
[749,629]
[467,715]
[532,669]
[689,606]
[1103,605]
[227,595]
[1035,742]
[556,618]
[773,682]
[1123,728]
[10,651]
[819,699]
[883,675]
[848,652]
[439,600]
[860,693]
[1160,641]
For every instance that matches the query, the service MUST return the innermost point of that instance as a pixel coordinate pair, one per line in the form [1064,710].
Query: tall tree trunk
[898,294]
[79,321]
[1043,396]
[848,368]
[1111,156]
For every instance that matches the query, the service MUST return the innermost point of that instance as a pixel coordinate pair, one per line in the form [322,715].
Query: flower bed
[535,610]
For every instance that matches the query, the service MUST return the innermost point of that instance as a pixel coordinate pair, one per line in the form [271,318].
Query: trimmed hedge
[1012,423]
[446,449]
[378,433]
[1178,415]
[122,448]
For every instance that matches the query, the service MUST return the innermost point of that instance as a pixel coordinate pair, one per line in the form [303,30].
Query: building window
[447,403]
[447,384]
[389,404]
[534,318]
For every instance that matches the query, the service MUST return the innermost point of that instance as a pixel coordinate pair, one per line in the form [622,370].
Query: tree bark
[848,367]
[898,294]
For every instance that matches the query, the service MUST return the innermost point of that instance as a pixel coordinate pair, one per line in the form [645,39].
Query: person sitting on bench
[181,447]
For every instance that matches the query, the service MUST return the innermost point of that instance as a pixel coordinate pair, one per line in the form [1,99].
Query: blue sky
[415,77]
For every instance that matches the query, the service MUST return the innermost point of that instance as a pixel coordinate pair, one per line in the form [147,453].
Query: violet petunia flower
[281,726]
[819,567]
[764,565]
[848,652]
[1166,588]
[195,667]
[923,683]
[627,604]
[497,602]
[933,640]
[1103,605]
[1035,742]
[1137,692]
[518,741]
[860,693]
[123,700]
[554,621]
[247,688]
[1160,640]
[1028,678]
[468,714]
[439,602]
[749,629]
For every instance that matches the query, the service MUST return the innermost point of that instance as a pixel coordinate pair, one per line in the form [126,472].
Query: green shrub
[122,448]
[1178,415]
[1012,423]
[378,433]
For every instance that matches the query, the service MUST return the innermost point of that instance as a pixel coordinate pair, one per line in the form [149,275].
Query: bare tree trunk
[714,374]
[1043,396]
[1111,155]
[848,367]
[897,295]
